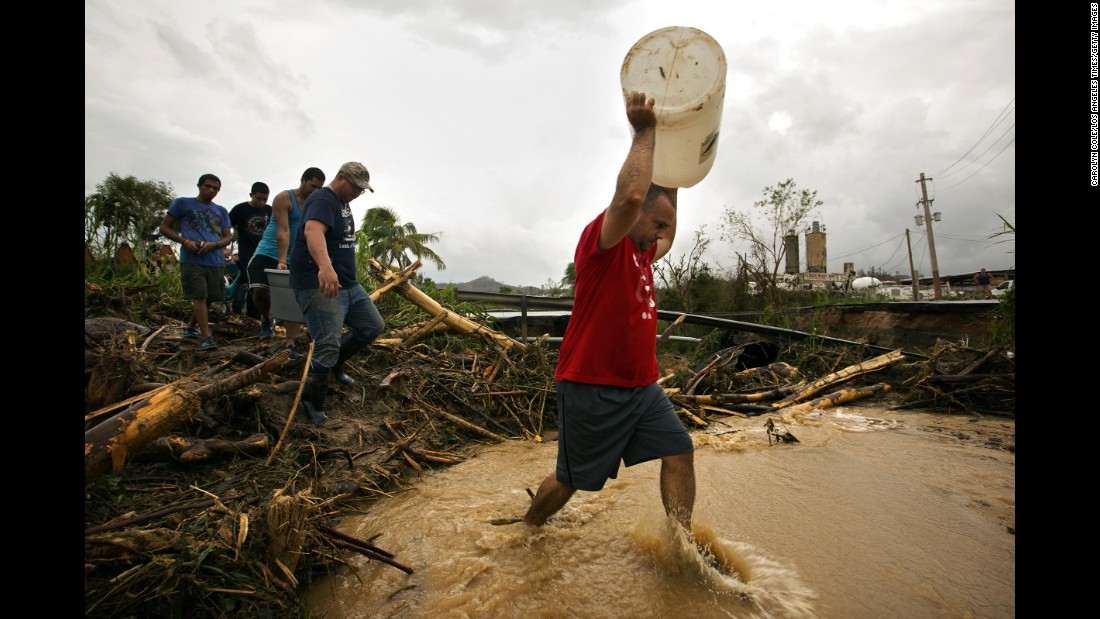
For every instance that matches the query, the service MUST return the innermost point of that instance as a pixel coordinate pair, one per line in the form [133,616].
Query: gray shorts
[600,426]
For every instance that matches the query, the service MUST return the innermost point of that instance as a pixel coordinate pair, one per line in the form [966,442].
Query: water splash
[727,568]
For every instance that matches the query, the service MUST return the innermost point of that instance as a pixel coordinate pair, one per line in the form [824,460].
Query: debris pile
[205,493]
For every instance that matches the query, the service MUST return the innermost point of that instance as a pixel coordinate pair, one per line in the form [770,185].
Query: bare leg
[551,497]
[200,316]
[678,487]
[292,329]
[262,298]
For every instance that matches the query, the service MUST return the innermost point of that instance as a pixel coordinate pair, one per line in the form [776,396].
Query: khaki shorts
[200,282]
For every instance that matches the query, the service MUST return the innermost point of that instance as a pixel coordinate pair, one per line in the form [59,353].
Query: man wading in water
[610,407]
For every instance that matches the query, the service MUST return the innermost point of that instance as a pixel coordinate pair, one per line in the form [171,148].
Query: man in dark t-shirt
[322,275]
[249,221]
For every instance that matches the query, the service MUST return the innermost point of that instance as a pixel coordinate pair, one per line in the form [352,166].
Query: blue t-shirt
[269,244]
[200,221]
[325,207]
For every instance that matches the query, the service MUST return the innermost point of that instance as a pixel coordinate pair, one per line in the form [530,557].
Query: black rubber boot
[349,346]
[313,396]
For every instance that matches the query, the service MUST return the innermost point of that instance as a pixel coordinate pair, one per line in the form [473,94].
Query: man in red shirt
[610,407]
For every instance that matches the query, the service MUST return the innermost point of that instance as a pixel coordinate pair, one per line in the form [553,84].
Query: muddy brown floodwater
[871,514]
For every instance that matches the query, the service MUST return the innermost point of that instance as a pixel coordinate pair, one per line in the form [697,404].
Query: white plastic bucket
[684,70]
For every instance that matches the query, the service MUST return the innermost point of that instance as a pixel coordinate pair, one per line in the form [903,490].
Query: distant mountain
[488,284]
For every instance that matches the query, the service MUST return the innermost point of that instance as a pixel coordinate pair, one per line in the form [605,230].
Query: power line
[859,251]
[894,268]
[975,160]
[996,121]
[963,238]
[1010,143]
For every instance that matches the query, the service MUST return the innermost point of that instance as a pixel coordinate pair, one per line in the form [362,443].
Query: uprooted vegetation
[227,502]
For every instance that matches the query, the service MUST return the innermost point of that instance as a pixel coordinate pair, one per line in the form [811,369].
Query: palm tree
[570,278]
[124,210]
[383,237]
[109,220]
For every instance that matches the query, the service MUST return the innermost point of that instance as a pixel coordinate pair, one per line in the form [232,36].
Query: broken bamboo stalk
[863,367]
[734,398]
[394,279]
[398,336]
[723,411]
[694,419]
[668,332]
[425,330]
[145,344]
[433,308]
[243,379]
[833,399]
[462,422]
[433,457]
[773,370]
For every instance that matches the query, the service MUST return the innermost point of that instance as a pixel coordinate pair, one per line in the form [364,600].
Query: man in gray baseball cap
[322,275]
[357,174]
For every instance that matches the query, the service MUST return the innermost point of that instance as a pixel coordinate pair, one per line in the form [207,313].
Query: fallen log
[433,308]
[117,405]
[734,398]
[864,367]
[791,413]
[195,451]
[774,370]
[245,378]
[108,445]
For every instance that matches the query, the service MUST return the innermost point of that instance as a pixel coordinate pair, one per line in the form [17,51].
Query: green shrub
[1004,320]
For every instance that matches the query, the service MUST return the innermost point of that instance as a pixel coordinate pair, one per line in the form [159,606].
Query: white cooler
[283,304]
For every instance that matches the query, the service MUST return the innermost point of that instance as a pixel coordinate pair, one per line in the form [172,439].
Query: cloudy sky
[499,124]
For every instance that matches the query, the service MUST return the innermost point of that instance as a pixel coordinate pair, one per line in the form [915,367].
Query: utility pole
[931,239]
[912,271]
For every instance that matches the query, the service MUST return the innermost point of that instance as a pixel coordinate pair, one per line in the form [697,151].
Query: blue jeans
[326,318]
